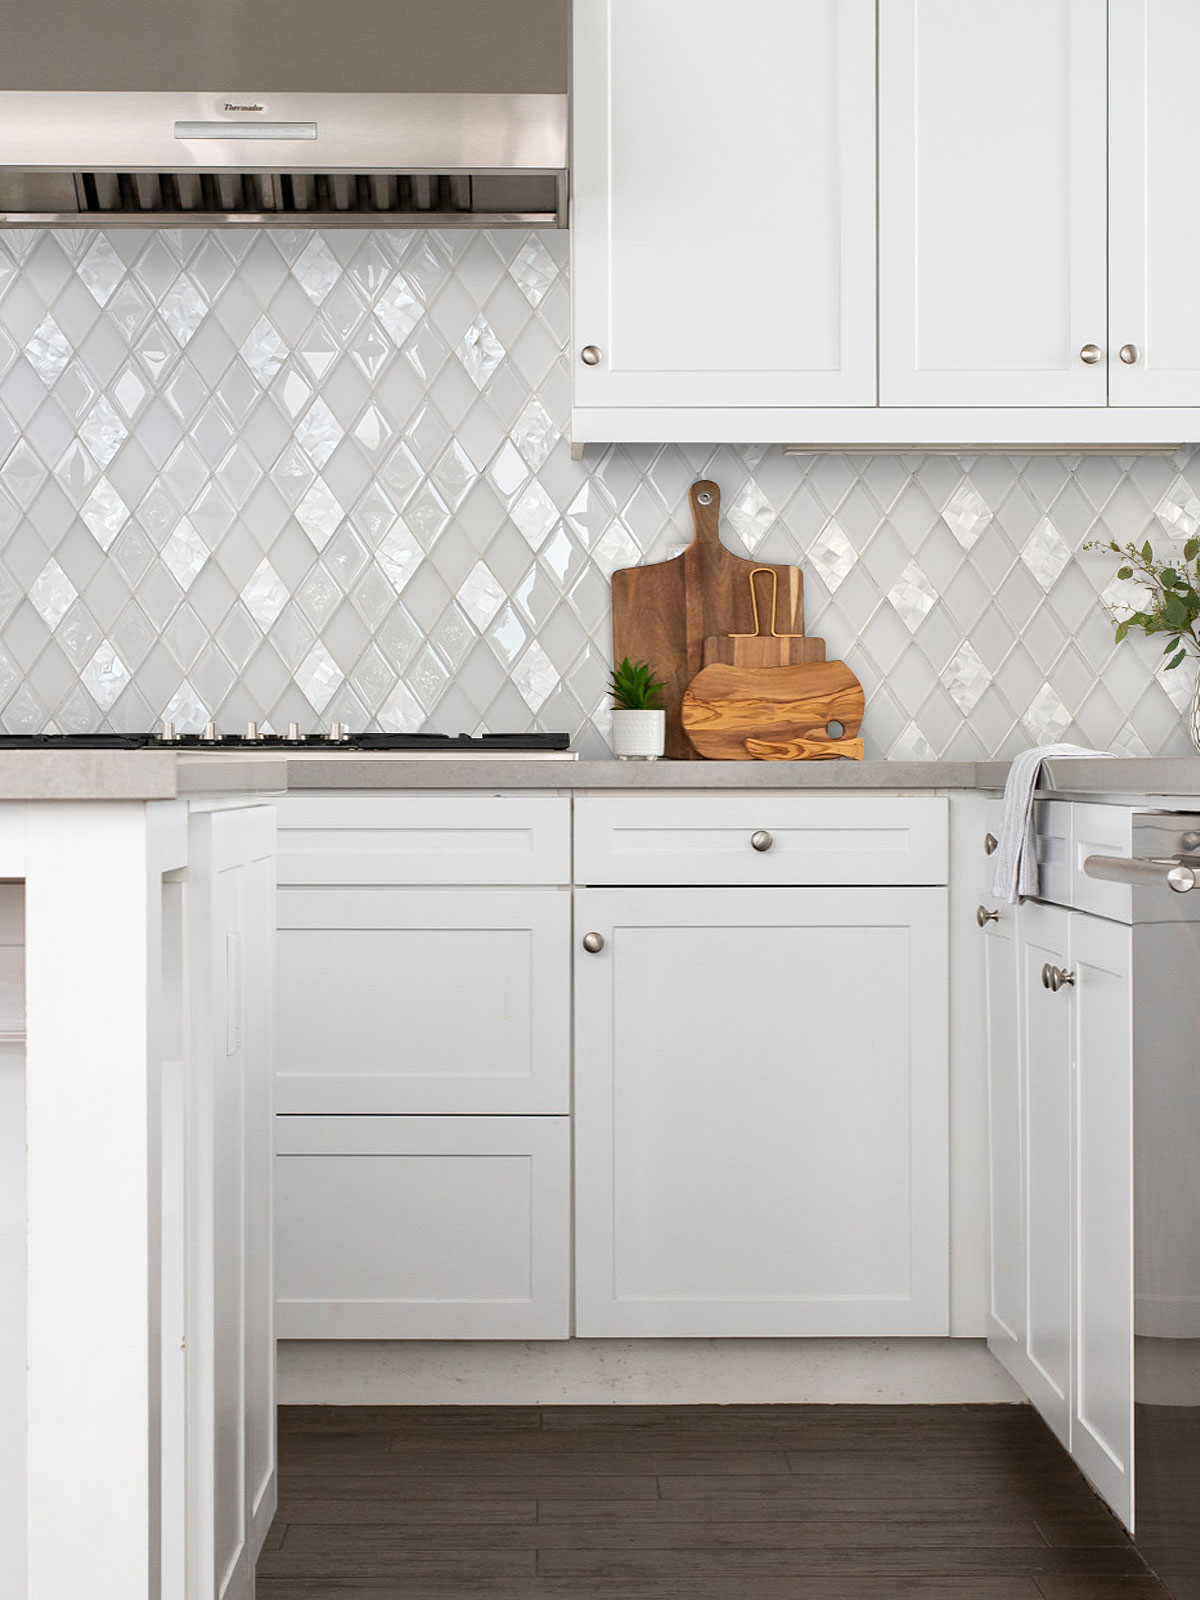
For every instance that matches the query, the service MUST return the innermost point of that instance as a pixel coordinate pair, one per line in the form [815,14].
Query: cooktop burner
[337,738]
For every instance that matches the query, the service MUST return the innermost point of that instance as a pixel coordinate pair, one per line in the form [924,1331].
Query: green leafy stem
[1174,595]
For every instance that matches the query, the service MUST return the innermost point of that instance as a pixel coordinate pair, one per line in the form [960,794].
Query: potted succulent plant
[638,723]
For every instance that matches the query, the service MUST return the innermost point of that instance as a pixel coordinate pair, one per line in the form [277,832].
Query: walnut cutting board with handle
[663,613]
[774,713]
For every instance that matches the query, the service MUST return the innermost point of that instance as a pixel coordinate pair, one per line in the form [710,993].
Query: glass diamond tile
[264,595]
[48,351]
[101,270]
[913,596]
[480,352]
[1046,718]
[105,676]
[182,309]
[319,513]
[316,269]
[318,433]
[52,594]
[129,309]
[184,554]
[1045,553]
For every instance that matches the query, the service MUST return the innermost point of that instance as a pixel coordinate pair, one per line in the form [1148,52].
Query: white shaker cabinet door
[1049,1117]
[760,1112]
[1154,204]
[992,202]
[723,203]
[1102,1420]
[1006,1104]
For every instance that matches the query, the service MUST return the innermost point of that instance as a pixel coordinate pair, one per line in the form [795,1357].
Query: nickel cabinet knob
[593,943]
[1090,354]
[983,916]
[590,355]
[1055,978]
[1129,354]
[761,840]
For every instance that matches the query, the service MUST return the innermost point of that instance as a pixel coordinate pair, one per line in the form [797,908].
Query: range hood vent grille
[258,199]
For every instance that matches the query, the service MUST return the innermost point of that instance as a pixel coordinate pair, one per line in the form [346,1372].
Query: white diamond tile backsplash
[293,476]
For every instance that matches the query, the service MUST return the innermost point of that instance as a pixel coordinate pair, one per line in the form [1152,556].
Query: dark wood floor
[688,1503]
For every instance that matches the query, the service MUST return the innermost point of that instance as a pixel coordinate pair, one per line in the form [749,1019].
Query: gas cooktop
[338,739]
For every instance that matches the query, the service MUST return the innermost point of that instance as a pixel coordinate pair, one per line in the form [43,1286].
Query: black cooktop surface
[273,741]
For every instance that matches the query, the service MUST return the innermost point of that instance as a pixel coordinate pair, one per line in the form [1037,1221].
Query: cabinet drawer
[424,839]
[423,1000]
[422,1227]
[706,840]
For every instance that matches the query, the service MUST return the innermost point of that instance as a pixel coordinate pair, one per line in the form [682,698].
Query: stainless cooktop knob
[293,732]
[336,733]
[251,730]
[168,734]
[210,734]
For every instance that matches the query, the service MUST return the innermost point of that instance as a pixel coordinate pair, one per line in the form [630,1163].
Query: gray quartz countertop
[164,775]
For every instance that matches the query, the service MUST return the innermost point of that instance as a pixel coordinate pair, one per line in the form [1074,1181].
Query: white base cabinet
[423,1075]
[1060,1090]
[761,1140]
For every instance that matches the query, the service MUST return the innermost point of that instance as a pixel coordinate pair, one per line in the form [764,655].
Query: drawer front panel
[424,839]
[706,840]
[1052,834]
[1100,831]
[422,1228]
[423,1000]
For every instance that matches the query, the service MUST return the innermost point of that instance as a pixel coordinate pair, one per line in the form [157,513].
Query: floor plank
[702,1502]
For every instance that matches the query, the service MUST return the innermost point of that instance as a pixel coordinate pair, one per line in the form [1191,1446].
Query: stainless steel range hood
[429,113]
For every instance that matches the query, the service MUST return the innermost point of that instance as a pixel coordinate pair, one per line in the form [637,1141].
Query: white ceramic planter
[638,735]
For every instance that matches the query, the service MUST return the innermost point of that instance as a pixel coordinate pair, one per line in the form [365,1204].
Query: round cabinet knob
[593,943]
[761,840]
[983,916]
[1047,974]
[990,844]
[1090,354]
[590,355]
[1130,354]
[1055,978]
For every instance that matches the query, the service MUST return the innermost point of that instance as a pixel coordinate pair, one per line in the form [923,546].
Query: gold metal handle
[758,633]
[761,840]
[990,844]
[1129,354]
[983,916]
[593,943]
[1090,354]
[590,355]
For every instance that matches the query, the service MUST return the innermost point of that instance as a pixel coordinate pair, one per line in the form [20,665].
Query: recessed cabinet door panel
[423,1227]
[1102,1428]
[761,1090]
[723,202]
[1154,201]
[424,1000]
[992,202]
[1006,1308]
[1049,1119]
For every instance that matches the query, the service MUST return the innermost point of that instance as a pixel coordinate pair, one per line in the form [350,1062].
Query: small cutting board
[664,612]
[724,706]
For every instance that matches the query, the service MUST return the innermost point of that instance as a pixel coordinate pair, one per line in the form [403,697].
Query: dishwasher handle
[1177,875]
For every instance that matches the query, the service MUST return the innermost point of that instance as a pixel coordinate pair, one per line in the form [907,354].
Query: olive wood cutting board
[664,612]
[782,711]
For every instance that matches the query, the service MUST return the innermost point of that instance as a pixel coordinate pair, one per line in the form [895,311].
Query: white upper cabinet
[723,206]
[1154,204]
[992,203]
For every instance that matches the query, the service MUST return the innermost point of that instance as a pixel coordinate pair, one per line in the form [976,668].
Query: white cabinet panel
[373,839]
[1102,1422]
[706,839]
[423,1227]
[723,202]
[992,202]
[1154,203]
[1049,1121]
[761,1141]
[1006,1168]
[424,1000]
